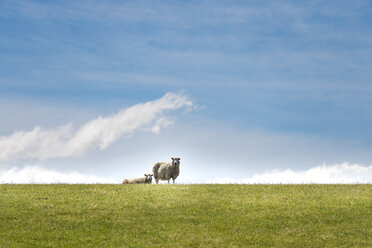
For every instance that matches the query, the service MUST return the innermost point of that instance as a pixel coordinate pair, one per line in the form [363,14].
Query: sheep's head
[176,161]
[148,178]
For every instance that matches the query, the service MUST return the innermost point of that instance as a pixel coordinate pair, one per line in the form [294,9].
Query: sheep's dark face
[176,161]
[148,178]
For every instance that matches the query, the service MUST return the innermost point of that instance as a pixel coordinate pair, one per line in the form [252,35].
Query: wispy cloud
[322,174]
[99,133]
[37,174]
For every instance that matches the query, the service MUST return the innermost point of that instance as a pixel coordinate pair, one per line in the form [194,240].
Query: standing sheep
[146,179]
[166,170]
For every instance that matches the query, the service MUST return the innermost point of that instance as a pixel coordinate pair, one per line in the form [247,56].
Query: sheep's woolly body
[166,170]
[140,180]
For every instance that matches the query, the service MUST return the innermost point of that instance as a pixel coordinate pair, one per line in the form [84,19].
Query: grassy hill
[185,216]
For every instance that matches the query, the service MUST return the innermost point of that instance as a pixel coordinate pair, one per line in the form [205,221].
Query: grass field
[185,216]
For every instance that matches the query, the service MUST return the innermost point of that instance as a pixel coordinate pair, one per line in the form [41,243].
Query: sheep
[166,170]
[146,179]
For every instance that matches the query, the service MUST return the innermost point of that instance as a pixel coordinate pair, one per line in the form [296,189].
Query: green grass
[185,216]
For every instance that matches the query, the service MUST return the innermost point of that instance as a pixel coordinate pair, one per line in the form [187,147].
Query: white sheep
[166,170]
[146,179]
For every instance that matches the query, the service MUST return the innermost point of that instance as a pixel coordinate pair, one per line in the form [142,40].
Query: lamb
[146,179]
[166,170]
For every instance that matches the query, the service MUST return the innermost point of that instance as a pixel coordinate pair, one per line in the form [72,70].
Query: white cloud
[322,174]
[37,174]
[99,133]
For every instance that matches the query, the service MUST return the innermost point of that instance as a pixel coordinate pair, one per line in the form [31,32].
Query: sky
[241,91]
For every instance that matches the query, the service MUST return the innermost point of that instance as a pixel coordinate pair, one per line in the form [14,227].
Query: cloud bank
[37,174]
[99,133]
[322,174]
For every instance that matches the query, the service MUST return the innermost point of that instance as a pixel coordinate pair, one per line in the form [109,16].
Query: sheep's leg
[168,180]
[173,180]
[157,180]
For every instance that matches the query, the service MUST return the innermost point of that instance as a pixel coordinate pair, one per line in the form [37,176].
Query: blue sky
[274,85]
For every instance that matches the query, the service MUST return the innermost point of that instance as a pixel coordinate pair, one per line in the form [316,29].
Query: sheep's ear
[151,174]
[172,158]
[145,175]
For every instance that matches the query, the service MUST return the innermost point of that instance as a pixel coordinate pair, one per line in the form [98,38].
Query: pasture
[97,215]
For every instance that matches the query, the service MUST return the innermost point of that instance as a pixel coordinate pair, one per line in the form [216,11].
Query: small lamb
[166,170]
[146,179]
